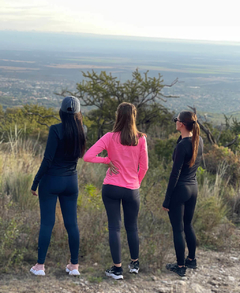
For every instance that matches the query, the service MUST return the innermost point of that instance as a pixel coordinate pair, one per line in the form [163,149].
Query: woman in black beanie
[57,179]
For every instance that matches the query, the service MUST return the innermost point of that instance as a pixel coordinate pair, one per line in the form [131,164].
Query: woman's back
[131,161]
[62,164]
[183,152]
[55,162]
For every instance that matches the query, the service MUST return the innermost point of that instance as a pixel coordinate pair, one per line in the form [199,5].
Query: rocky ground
[217,272]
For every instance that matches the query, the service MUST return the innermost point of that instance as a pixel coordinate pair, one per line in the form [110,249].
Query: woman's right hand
[113,169]
[34,193]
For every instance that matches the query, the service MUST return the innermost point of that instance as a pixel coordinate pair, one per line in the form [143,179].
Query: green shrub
[164,147]
[220,156]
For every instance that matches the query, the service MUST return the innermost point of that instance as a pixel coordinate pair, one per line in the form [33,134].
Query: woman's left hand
[34,193]
[113,169]
[165,209]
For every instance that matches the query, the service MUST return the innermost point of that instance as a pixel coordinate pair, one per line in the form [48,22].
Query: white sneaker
[37,273]
[72,272]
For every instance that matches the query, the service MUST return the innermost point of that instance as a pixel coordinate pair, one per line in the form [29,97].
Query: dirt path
[217,272]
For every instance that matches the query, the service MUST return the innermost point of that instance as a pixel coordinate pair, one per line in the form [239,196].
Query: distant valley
[209,74]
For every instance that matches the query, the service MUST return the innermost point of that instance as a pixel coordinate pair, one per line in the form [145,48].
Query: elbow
[47,162]
[145,168]
[86,158]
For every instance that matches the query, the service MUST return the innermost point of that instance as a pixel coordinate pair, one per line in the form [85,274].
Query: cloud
[172,19]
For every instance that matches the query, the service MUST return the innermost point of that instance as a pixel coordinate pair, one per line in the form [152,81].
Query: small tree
[102,93]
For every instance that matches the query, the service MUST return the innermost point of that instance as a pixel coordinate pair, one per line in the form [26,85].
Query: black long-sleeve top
[181,172]
[55,162]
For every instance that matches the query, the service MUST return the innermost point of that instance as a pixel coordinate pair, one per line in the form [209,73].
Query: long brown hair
[189,119]
[126,124]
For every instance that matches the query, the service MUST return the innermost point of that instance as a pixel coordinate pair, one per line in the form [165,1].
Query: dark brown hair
[189,119]
[126,124]
[73,134]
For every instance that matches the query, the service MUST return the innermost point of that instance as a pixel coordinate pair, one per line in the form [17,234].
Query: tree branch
[43,124]
[232,142]
[172,84]
[210,137]
[48,116]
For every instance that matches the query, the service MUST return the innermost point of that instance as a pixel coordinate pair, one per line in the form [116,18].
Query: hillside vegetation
[23,136]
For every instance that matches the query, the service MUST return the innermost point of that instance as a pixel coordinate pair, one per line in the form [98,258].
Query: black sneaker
[115,273]
[134,267]
[191,264]
[181,271]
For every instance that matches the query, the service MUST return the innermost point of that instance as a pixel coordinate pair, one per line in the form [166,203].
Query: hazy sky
[185,19]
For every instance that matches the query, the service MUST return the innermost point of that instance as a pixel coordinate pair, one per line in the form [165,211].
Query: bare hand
[165,209]
[34,193]
[113,169]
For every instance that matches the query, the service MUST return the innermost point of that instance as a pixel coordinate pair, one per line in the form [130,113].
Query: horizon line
[218,42]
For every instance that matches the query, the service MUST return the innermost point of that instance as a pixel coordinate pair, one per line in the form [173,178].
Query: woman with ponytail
[181,195]
[128,163]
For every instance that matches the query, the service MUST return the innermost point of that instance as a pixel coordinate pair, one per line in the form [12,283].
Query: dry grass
[19,215]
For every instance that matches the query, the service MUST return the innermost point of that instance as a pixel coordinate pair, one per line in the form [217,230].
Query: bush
[164,147]
[211,213]
[221,156]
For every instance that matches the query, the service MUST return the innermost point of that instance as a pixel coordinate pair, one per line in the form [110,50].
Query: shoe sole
[191,267]
[37,273]
[73,272]
[172,270]
[115,277]
[182,275]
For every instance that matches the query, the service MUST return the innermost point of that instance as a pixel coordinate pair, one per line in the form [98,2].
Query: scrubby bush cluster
[23,133]
[218,202]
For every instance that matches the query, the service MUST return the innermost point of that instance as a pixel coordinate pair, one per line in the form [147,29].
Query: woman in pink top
[128,163]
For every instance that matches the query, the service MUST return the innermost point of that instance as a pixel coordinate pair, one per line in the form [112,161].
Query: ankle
[73,266]
[118,265]
[39,267]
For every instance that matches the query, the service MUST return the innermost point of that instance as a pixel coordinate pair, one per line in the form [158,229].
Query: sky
[210,20]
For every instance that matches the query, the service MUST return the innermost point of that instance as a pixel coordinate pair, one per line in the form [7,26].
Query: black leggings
[112,196]
[66,189]
[181,212]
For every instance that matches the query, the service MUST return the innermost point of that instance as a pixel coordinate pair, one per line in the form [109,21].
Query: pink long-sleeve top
[131,161]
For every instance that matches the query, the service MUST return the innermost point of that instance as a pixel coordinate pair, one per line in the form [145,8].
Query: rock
[179,287]
[234,258]
[154,278]
[196,288]
[230,278]
[163,290]
[164,282]
[213,282]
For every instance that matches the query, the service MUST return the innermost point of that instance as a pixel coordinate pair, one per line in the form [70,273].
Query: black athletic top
[181,172]
[55,162]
